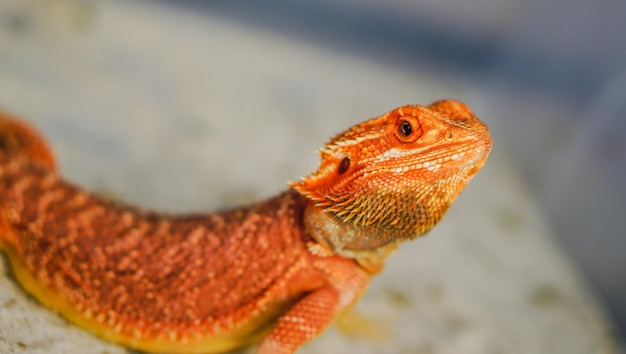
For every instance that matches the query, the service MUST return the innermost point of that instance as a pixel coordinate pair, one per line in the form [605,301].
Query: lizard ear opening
[344,165]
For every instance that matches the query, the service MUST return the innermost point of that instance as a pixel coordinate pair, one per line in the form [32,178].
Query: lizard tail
[17,137]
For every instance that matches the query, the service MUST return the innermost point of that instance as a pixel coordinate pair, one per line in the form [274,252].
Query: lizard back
[132,274]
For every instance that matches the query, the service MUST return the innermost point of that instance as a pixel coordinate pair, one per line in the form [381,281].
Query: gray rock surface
[178,111]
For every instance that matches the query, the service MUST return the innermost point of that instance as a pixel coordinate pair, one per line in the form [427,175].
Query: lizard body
[277,271]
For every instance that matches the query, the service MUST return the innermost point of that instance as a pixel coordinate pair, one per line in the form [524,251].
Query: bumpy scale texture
[277,271]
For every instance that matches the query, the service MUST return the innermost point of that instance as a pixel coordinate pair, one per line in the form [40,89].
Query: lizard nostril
[344,165]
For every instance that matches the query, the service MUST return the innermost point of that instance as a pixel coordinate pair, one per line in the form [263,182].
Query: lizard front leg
[316,310]
[302,322]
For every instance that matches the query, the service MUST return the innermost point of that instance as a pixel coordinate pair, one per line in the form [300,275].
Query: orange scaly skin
[277,271]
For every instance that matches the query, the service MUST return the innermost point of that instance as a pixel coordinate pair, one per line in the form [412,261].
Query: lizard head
[393,177]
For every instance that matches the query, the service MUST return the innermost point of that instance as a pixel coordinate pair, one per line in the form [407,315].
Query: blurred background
[551,72]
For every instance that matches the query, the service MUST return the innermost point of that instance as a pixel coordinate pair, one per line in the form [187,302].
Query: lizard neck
[384,218]
[334,236]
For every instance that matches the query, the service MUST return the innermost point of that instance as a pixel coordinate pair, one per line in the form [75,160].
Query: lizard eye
[405,129]
[408,129]
[344,165]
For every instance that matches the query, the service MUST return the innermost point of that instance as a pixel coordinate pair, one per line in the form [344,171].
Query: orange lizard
[277,271]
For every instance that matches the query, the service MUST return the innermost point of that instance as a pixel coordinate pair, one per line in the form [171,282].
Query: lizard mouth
[480,156]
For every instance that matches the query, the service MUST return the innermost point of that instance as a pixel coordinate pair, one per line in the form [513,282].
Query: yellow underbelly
[242,334]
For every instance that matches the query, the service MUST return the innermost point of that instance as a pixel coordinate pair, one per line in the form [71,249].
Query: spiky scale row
[280,269]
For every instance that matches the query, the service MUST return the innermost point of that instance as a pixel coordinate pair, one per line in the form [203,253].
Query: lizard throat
[372,240]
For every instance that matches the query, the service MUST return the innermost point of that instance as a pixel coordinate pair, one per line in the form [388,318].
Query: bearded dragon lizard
[277,271]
